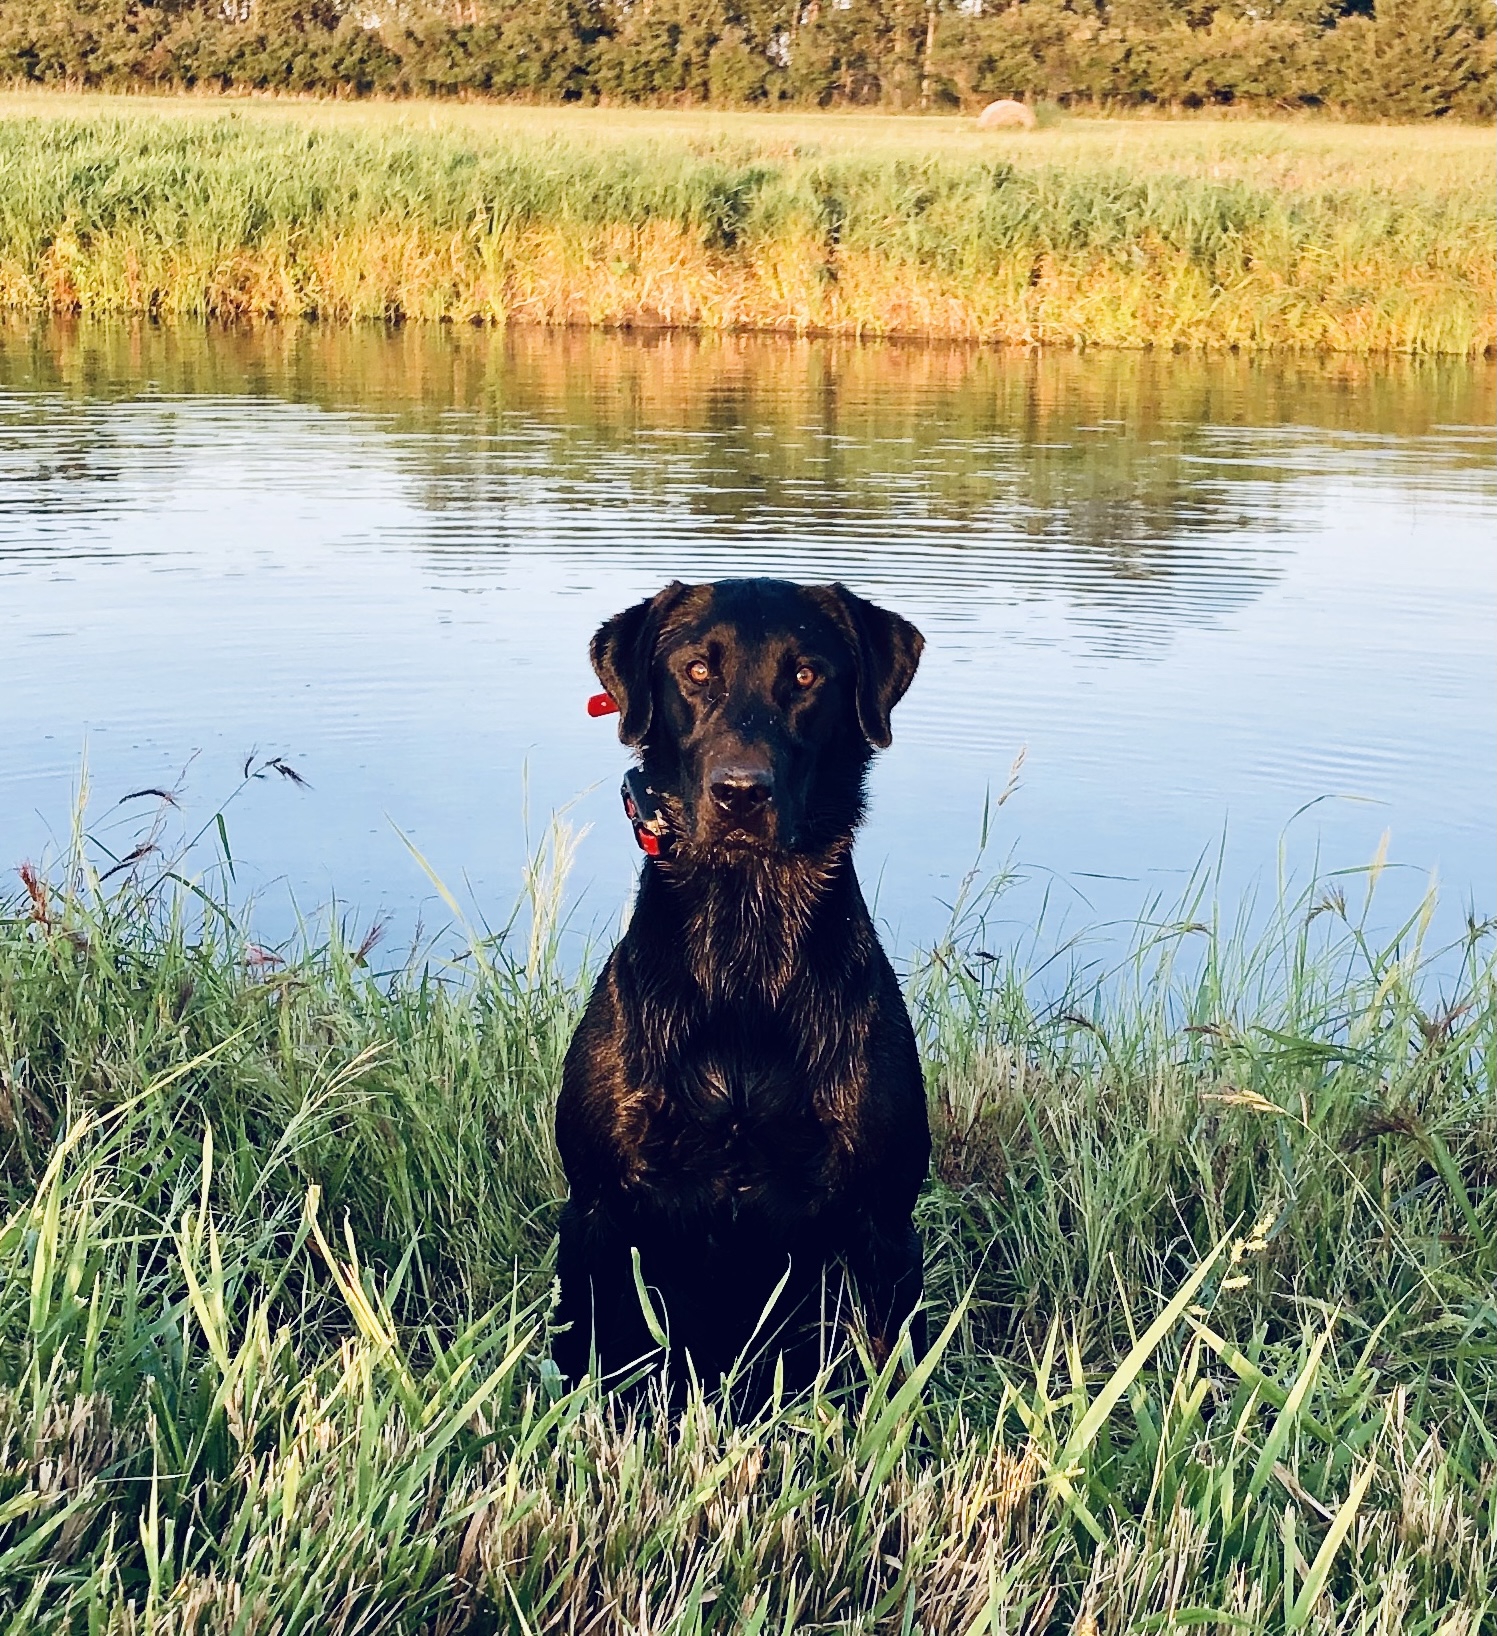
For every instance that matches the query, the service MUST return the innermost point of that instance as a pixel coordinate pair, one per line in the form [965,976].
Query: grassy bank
[1250,236]
[1211,1260]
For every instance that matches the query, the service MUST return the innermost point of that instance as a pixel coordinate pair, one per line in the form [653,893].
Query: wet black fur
[742,1101]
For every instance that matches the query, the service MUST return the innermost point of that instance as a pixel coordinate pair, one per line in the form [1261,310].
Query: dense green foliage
[1212,1257]
[1404,59]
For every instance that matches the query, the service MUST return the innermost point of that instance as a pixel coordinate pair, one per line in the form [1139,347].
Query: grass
[1212,1255]
[1247,235]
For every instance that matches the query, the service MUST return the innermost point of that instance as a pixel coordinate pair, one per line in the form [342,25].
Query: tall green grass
[229,218]
[1212,1251]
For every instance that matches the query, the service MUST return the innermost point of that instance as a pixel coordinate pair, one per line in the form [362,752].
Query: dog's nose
[740,792]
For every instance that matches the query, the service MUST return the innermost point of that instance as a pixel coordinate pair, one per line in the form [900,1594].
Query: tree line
[1402,59]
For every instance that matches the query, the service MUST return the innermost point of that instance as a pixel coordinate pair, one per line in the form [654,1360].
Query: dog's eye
[805,676]
[698,671]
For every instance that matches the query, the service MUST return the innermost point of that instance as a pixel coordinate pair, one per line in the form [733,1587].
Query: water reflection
[1196,590]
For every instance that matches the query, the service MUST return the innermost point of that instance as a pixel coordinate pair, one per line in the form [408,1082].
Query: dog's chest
[735,1139]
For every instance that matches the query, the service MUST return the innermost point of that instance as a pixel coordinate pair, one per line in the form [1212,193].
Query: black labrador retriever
[742,1117]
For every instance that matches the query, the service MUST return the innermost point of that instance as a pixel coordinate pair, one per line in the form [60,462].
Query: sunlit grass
[1211,1251]
[1139,233]
[1299,152]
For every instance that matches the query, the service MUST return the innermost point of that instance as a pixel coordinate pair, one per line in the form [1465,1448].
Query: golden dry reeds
[223,217]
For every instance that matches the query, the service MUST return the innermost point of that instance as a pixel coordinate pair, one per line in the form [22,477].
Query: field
[1184,234]
[1211,1265]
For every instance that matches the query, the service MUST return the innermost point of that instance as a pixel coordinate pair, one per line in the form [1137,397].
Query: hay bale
[1006,116]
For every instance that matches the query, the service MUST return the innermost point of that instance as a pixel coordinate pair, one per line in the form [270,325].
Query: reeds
[1212,1255]
[227,217]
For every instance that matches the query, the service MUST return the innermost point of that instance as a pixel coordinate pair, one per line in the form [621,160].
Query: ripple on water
[1198,596]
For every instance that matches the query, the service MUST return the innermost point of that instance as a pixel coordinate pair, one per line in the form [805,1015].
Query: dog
[742,1117]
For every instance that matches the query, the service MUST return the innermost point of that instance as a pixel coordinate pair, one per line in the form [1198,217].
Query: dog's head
[755,705]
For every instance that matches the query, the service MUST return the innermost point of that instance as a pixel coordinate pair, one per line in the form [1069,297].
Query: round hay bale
[1006,116]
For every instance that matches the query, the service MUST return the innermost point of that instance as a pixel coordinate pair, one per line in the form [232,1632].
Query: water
[1225,609]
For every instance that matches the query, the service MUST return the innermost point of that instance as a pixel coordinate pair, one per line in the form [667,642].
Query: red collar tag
[602,704]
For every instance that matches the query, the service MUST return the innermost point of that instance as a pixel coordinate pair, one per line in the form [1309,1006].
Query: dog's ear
[887,649]
[623,653]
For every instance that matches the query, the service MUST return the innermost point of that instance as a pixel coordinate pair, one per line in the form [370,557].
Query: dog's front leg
[888,1272]
[599,1313]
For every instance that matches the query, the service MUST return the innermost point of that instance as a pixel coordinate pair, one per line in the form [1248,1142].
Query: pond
[1230,615]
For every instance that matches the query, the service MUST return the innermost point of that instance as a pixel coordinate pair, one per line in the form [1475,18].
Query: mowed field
[1184,233]
[1299,152]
